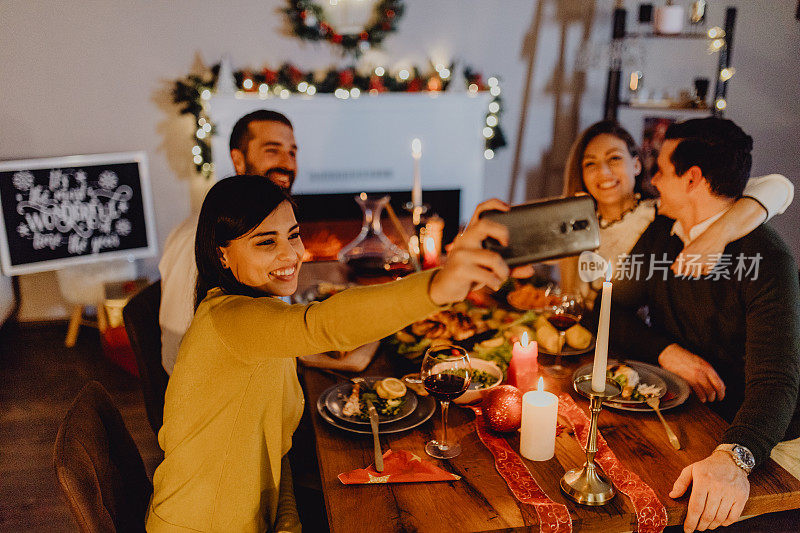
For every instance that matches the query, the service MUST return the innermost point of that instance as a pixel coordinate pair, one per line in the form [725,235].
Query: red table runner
[553,517]
[651,515]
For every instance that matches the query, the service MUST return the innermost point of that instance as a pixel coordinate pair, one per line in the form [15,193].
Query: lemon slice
[390,388]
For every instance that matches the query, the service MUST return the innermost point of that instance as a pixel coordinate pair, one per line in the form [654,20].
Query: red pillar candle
[524,367]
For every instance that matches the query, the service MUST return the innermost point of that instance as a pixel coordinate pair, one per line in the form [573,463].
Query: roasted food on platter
[577,336]
[487,333]
[526,297]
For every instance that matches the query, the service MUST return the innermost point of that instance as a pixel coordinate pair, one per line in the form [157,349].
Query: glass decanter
[371,254]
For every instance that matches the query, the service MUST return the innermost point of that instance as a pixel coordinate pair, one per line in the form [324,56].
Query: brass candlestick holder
[588,485]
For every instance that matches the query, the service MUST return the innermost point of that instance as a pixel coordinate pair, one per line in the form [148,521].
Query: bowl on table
[475,395]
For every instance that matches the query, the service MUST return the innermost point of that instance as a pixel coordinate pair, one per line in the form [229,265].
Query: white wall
[92,76]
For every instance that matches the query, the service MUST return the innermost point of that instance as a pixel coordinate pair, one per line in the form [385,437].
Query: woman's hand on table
[469,266]
[719,491]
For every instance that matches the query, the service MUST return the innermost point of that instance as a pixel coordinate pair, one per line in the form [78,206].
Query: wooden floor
[39,378]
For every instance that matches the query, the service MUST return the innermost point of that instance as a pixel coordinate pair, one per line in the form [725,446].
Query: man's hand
[700,375]
[719,491]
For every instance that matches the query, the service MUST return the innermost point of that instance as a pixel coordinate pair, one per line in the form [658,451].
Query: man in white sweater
[261,143]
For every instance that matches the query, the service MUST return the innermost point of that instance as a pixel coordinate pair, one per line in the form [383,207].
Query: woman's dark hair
[719,147]
[573,172]
[233,207]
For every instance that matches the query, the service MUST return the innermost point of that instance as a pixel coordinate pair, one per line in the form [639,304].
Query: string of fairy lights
[194,90]
[717,36]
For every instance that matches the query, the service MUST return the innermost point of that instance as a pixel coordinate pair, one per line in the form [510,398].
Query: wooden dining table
[481,500]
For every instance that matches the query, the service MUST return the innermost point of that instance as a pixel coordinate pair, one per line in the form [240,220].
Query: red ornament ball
[502,408]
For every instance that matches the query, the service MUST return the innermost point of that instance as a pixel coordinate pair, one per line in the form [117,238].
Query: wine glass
[446,375]
[565,310]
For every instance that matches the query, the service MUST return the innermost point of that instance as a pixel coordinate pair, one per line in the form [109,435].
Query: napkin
[398,467]
[353,361]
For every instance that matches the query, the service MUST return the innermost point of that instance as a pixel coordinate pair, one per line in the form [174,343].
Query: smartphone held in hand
[546,229]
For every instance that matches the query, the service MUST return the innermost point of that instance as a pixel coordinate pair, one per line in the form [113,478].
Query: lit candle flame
[540,385]
[416,148]
[523,340]
[608,272]
[430,245]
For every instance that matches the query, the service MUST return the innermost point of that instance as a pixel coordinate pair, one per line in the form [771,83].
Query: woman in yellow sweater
[233,400]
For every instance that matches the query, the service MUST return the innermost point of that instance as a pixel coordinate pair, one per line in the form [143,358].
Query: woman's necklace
[608,223]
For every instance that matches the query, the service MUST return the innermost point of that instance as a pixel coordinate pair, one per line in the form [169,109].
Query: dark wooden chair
[99,467]
[141,323]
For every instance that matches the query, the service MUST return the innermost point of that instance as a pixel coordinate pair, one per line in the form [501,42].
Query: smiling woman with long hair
[233,400]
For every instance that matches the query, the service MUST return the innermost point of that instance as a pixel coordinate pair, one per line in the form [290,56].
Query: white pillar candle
[601,347]
[416,192]
[538,431]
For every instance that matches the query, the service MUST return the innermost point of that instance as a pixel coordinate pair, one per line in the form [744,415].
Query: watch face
[744,455]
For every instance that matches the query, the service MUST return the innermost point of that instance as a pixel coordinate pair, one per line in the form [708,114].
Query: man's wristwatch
[741,456]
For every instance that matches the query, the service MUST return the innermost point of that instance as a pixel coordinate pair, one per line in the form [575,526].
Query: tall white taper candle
[416,192]
[601,348]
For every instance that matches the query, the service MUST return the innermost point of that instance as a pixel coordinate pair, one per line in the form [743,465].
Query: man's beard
[282,177]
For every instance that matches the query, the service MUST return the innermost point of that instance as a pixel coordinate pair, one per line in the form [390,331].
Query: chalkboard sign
[65,211]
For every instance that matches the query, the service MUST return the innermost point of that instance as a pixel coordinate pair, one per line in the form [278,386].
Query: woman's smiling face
[609,170]
[268,258]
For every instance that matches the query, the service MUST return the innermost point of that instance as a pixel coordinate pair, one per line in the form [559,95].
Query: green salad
[481,379]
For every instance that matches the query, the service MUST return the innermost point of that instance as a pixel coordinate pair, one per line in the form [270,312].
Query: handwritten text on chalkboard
[73,213]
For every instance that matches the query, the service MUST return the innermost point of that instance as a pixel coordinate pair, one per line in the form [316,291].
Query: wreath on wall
[309,21]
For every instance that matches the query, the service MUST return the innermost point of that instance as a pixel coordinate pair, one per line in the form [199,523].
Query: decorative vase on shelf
[371,254]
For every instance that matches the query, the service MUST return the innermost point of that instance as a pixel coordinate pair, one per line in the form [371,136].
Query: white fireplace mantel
[364,144]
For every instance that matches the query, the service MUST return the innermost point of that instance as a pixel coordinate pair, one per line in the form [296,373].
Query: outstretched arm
[764,197]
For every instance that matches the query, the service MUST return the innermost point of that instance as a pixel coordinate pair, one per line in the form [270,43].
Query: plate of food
[577,339]
[390,396]
[639,381]
[526,297]
[425,408]
[487,333]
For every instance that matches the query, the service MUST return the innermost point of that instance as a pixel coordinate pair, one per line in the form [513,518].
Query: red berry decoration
[502,408]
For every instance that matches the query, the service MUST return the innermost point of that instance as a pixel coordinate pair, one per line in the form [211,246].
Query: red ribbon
[553,517]
[651,515]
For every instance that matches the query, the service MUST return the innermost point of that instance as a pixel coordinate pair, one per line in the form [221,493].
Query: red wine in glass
[446,386]
[445,374]
[562,322]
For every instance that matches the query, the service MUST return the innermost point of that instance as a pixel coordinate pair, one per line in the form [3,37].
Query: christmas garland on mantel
[309,22]
[191,91]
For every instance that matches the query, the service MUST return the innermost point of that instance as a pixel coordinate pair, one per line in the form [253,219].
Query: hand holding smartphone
[547,229]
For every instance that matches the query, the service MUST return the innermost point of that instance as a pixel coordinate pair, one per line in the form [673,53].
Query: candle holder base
[588,485]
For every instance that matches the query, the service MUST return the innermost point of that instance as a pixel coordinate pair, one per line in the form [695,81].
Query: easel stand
[76,320]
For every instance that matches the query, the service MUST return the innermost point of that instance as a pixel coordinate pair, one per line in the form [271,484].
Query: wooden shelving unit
[613,100]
